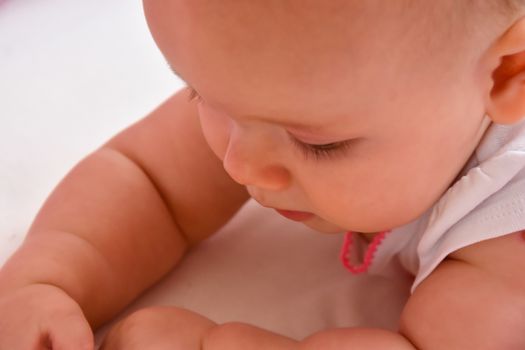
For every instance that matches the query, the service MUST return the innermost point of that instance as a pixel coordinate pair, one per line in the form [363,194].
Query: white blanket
[73,73]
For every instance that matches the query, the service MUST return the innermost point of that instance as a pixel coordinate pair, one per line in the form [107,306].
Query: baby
[399,121]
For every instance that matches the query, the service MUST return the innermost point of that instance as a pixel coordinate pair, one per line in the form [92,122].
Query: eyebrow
[292,125]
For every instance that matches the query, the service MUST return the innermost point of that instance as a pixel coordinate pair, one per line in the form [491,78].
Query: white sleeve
[488,202]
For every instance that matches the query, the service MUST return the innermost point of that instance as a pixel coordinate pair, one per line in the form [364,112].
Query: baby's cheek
[523,235]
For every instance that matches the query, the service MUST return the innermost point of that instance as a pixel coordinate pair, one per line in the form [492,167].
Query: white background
[72,73]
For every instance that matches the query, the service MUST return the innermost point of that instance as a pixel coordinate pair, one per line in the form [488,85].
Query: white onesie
[488,201]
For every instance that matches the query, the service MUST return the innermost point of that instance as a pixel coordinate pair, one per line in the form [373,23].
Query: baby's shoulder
[502,257]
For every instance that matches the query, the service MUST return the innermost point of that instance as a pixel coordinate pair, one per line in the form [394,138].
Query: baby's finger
[71,333]
[28,340]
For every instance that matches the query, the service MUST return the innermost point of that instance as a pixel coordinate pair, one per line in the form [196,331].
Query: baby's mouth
[294,215]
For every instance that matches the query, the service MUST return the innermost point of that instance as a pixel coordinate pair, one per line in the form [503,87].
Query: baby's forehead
[326,53]
[306,40]
[296,22]
[307,17]
[318,26]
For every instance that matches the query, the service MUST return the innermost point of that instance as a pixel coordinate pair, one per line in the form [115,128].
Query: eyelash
[318,152]
[321,152]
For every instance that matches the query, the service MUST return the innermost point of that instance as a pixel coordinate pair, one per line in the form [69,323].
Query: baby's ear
[506,103]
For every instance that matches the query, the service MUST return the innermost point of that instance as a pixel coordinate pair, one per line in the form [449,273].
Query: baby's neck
[367,236]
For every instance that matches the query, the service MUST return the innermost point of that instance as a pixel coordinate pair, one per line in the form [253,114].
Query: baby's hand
[41,316]
[159,328]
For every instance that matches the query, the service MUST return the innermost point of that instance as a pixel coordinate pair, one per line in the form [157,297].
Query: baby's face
[360,112]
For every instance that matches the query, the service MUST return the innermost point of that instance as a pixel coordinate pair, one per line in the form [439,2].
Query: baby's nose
[249,162]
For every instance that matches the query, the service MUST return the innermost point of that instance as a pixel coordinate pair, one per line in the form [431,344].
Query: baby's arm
[125,215]
[474,300]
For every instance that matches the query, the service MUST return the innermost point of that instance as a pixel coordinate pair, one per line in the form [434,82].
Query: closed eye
[323,151]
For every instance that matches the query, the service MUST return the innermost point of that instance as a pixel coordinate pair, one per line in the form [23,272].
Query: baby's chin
[318,224]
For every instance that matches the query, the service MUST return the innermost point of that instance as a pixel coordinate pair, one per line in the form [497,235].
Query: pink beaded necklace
[369,254]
